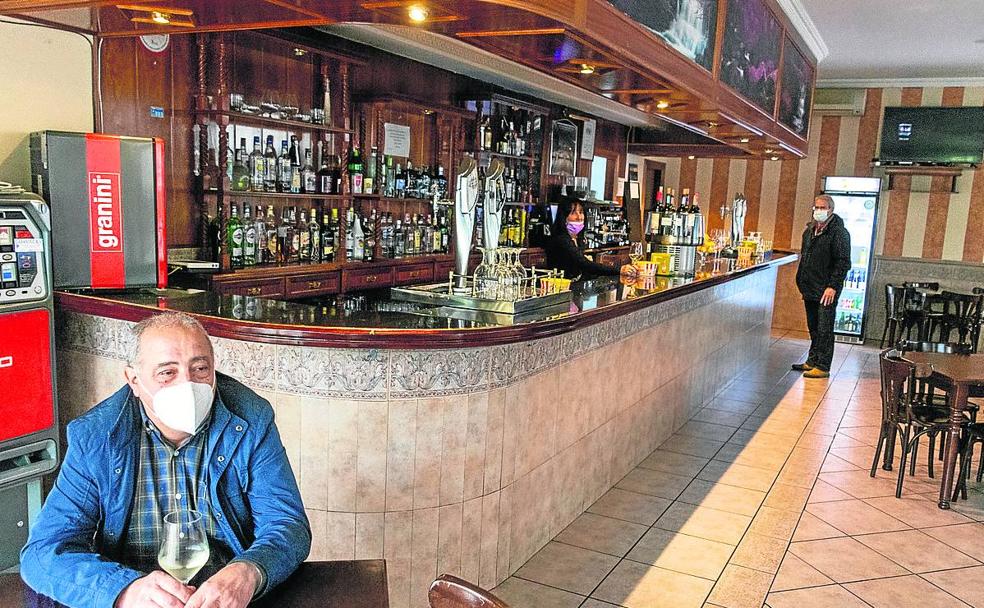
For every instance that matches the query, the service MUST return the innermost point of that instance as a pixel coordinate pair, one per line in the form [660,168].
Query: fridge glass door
[858,213]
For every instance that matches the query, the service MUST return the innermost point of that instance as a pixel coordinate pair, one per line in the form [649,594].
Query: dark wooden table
[348,584]
[959,376]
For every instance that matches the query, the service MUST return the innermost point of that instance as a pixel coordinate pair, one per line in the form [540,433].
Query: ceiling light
[662,104]
[775,158]
[744,140]
[299,52]
[691,157]
[768,150]
[587,69]
[417,13]
[159,17]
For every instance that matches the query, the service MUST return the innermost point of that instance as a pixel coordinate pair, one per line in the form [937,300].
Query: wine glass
[185,547]
[635,252]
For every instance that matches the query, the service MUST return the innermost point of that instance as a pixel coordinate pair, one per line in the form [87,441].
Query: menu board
[750,53]
[795,90]
[689,26]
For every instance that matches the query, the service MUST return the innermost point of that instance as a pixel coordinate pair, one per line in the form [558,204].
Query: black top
[563,254]
[825,259]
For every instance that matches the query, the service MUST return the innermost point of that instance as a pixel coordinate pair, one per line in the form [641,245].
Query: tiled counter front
[467,461]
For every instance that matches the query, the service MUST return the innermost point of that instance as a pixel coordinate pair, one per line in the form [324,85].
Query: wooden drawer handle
[371,278]
[254,291]
[415,274]
[314,284]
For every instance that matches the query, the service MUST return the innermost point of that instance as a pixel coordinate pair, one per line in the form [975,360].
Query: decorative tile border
[400,374]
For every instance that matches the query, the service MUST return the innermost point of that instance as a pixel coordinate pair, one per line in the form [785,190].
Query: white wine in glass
[185,547]
[635,252]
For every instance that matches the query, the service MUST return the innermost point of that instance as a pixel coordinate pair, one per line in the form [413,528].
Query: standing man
[825,259]
[177,436]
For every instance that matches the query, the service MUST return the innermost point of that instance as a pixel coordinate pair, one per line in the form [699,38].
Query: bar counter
[449,445]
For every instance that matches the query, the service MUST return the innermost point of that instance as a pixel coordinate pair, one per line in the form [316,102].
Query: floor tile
[859,484]
[630,506]
[636,585]
[902,591]
[741,587]
[787,497]
[722,497]
[834,464]
[734,419]
[519,593]
[917,552]
[593,603]
[732,405]
[759,552]
[654,483]
[824,492]
[794,573]
[734,474]
[602,534]
[704,523]
[706,430]
[831,596]
[677,552]
[754,457]
[968,538]
[917,511]
[674,462]
[845,559]
[566,567]
[966,584]
[855,517]
[694,446]
[775,523]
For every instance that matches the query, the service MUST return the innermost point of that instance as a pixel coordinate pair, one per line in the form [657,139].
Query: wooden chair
[961,313]
[974,434]
[452,592]
[894,313]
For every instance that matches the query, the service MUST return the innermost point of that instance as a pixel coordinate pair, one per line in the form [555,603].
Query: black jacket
[825,259]
[563,254]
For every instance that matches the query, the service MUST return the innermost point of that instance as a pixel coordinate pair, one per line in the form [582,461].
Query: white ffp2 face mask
[821,215]
[183,407]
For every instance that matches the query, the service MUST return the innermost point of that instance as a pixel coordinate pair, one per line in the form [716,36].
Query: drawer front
[536,259]
[262,288]
[314,284]
[414,274]
[368,278]
[441,271]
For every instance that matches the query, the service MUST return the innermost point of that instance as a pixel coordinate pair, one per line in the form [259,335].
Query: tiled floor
[764,498]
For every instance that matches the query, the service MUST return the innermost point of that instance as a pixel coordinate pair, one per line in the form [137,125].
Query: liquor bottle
[436,236]
[399,240]
[296,179]
[315,249]
[216,234]
[328,236]
[445,235]
[442,183]
[324,177]
[303,237]
[358,238]
[399,182]
[386,235]
[309,178]
[284,169]
[389,189]
[284,236]
[240,170]
[249,237]
[234,237]
[349,234]
[269,166]
[298,240]
[418,234]
[424,181]
[257,167]
[355,170]
[369,180]
[273,242]
[369,251]
[485,137]
[410,187]
[259,226]
[335,166]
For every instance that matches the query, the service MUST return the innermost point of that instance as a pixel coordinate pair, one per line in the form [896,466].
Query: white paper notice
[396,140]
[588,139]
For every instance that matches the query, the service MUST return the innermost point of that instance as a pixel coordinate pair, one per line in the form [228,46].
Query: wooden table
[349,584]
[959,376]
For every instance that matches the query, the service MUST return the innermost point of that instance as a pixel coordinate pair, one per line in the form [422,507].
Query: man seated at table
[178,436]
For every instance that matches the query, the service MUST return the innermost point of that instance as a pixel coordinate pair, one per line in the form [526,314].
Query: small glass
[635,252]
[185,547]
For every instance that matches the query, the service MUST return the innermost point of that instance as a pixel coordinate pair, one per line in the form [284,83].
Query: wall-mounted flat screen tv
[933,135]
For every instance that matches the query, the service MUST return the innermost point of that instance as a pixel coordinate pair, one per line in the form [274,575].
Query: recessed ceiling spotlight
[587,69]
[775,158]
[744,140]
[159,17]
[768,150]
[417,13]
[299,52]
[691,157]
[662,104]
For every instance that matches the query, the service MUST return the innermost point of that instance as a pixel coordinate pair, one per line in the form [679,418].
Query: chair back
[897,386]
[452,592]
[893,301]
[962,313]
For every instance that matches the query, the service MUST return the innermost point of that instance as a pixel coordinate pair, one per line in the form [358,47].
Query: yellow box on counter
[664,263]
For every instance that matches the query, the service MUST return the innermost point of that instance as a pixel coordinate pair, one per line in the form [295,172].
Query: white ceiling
[873,40]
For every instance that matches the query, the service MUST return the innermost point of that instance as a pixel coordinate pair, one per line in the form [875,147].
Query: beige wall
[46,78]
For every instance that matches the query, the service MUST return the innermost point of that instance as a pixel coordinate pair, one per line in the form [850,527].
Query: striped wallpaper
[918,218]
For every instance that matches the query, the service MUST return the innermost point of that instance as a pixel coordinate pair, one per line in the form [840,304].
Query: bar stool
[894,312]
[961,313]
[452,592]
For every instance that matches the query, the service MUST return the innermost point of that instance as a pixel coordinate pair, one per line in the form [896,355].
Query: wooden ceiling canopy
[585,42]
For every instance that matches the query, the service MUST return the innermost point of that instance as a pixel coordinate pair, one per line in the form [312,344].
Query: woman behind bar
[565,246]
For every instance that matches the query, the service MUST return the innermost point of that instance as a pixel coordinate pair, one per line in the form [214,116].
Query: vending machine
[28,414]
[856,202]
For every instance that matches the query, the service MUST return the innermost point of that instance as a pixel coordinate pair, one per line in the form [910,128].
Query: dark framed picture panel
[563,147]
[750,52]
[795,88]
[689,26]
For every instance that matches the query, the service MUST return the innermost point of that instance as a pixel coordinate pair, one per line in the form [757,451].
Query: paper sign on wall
[588,139]
[396,140]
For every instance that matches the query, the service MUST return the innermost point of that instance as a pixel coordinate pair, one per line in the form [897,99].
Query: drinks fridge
[856,202]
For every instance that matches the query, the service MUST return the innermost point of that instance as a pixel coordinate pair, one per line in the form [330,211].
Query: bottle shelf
[391,199]
[492,154]
[285,125]
[278,195]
